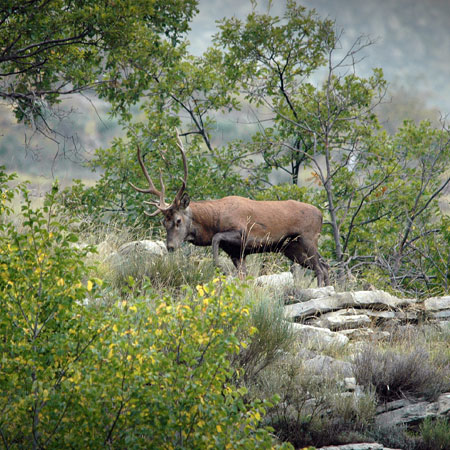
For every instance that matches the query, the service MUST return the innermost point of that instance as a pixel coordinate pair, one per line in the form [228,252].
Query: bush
[435,434]
[394,373]
[313,410]
[148,373]
[44,334]
[273,337]
[188,266]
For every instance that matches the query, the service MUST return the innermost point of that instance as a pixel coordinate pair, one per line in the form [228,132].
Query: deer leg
[227,239]
[239,263]
[325,267]
[301,252]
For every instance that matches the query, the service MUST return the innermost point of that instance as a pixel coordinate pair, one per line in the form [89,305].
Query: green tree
[58,47]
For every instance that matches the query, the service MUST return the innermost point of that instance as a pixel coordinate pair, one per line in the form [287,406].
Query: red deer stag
[240,226]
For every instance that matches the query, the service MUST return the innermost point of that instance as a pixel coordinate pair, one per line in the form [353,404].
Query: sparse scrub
[396,372]
[394,437]
[313,410]
[272,337]
[434,434]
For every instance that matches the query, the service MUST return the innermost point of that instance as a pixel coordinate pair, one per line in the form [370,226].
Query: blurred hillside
[412,47]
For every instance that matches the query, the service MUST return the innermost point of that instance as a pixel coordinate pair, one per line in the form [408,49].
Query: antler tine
[185,167]
[162,202]
[152,189]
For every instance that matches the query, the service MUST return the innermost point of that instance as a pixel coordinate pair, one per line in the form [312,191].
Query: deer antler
[161,205]
[180,192]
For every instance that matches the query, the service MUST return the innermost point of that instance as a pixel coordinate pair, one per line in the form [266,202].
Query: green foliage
[58,47]
[435,434]
[44,333]
[153,373]
[285,192]
[172,384]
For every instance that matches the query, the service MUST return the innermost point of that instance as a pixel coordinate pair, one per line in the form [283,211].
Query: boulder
[411,413]
[319,336]
[277,280]
[339,320]
[144,247]
[329,367]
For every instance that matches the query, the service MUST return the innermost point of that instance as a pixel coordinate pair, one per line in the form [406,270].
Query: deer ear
[185,200]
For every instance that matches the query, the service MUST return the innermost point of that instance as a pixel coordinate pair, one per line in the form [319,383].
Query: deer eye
[178,222]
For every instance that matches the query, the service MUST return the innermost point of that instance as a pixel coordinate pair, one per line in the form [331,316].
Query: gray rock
[282,279]
[144,247]
[410,414]
[303,295]
[443,403]
[360,446]
[366,333]
[328,366]
[340,320]
[437,303]
[319,336]
[372,300]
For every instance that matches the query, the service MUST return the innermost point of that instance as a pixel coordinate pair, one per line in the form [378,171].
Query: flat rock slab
[359,299]
[437,303]
[337,322]
[404,412]
[295,295]
[361,446]
[319,336]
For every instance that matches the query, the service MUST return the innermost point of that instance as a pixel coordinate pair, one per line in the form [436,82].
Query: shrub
[166,378]
[313,410]
[435,434]
[44,334]
[273,337]
[169,272]
[394,373]
[148,373]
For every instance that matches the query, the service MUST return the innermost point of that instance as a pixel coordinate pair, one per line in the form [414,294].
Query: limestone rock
[437,303]
[145,247]
[282,279]
[329,367]
[404,411]
[319,336]
[340,320]
[295,294]
[373,300]
[361,446]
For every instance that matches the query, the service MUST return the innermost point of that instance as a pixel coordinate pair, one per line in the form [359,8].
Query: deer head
[177,218]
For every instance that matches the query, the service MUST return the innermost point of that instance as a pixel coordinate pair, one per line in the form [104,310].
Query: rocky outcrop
[408,412]
[362,446]
[342,311]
